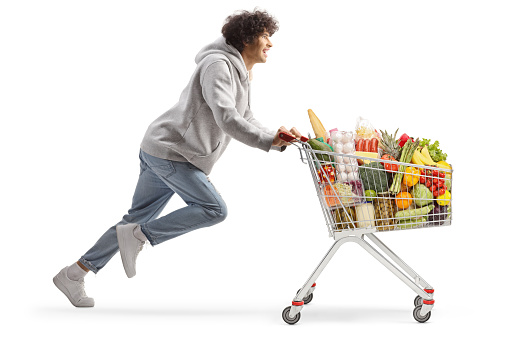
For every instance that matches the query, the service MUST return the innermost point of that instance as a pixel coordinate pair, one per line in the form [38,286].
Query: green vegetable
[321,146]
[321,140]
[435,152]
[374,177]
[406,155]
[421,195]
[411,223]
[412,213]
[369,194]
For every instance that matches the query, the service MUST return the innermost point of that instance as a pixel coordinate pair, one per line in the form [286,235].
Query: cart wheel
[418,317]
[418,301]
[307,299]
[287,318]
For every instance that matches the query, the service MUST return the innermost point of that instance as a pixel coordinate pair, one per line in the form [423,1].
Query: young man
[180,148]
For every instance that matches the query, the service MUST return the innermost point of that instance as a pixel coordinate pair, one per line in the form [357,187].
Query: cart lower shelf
[423,302]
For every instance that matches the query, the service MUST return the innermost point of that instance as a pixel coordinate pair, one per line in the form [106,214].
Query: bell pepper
[411,176]
[403,139]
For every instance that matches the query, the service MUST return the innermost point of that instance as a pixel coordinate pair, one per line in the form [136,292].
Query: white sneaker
[129,246]
[74,290]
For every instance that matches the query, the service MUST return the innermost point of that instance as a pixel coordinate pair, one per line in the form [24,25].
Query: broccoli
[374,177]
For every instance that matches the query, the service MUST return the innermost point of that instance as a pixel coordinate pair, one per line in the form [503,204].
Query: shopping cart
[351,214]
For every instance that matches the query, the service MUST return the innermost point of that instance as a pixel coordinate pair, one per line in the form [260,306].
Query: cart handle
[289,138]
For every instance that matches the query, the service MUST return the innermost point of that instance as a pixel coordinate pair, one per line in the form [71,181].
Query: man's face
[257,50]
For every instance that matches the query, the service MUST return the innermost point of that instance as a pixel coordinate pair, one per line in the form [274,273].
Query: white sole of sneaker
[122,245]
[64,290]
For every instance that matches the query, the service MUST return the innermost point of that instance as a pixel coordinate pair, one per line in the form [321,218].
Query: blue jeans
[159,179]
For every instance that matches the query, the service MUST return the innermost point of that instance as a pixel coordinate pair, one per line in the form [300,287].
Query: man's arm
[251,119]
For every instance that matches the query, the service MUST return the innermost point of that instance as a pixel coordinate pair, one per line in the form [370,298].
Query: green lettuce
[434,151]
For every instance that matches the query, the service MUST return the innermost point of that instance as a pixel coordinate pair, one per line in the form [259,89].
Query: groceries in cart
[369,178]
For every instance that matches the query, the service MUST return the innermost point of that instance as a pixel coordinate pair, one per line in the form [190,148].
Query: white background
[81,81]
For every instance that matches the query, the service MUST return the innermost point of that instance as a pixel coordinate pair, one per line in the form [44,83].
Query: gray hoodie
[212,109]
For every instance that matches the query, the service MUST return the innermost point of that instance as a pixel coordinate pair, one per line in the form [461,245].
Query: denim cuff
[149,236]
[88,265]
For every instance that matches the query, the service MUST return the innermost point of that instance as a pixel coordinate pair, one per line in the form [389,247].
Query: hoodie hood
[221,47]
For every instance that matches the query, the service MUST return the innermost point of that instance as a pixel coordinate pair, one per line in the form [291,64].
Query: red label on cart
[429,291]
[313,285]
[428,302]
[297,303]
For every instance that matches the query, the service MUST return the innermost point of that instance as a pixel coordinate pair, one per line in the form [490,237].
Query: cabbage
[422,195]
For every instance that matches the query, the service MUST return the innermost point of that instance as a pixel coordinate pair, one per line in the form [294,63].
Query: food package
[364,130]
[326,173]
[385,209]
[344,217]
[343,193]
[365,213]
[343,143]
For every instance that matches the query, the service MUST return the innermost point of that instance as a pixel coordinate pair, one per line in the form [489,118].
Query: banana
[443,164]
[423,159]
[426,155]
[416,159]
[318,128]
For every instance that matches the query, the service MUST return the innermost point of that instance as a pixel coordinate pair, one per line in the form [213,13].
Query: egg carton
[343,142]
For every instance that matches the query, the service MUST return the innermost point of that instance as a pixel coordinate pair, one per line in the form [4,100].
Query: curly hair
[243,27]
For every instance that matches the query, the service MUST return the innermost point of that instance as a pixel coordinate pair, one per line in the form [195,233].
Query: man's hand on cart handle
[291,136]
[294,133]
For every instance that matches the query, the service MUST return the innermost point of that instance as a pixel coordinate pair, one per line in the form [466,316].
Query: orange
[403,200]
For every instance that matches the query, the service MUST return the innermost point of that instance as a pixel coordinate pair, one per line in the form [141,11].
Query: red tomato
[389,167]
[435,194]
[422,180]
[435,173]
[441,175]
[435,181]
[441,191]
[428,183]
[434,188]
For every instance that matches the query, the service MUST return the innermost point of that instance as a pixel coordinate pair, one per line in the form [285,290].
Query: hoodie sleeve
[251,119]
[218,94]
